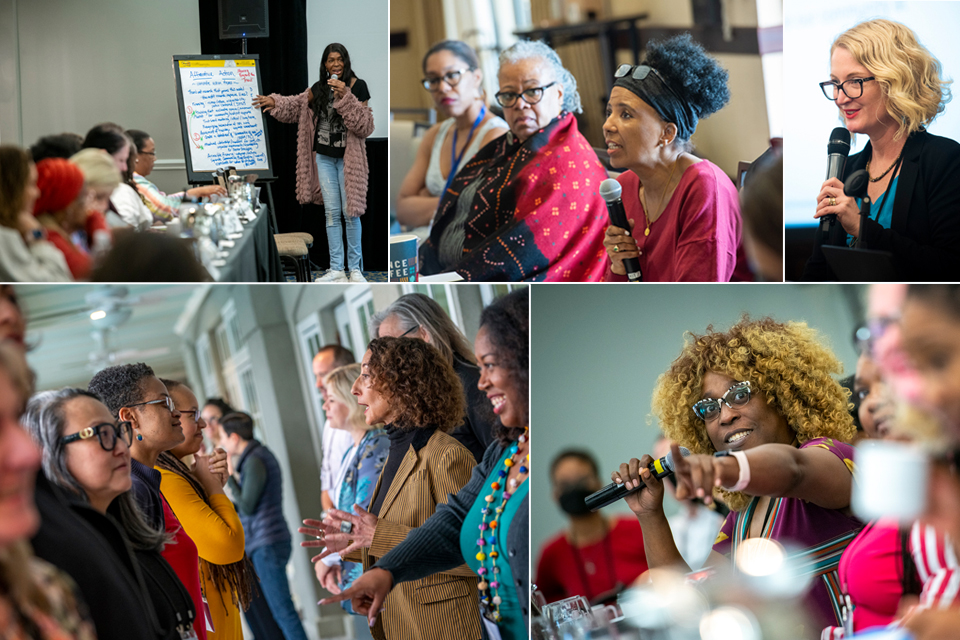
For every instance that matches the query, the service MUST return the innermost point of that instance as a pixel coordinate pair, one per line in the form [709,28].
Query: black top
[924,233]
[146,491]
[400,441]
[331,137]
[476,432]
[91,548]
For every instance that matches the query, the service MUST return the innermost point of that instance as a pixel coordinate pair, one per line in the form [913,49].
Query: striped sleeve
[162,206]
[937,565]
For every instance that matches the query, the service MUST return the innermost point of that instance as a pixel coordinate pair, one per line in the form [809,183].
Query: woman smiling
[684,210]
[495,502]
[889,87]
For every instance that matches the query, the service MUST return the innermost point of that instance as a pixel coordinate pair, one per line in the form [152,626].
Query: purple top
[821,534]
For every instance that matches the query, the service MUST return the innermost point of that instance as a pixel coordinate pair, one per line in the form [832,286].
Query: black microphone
[610,191]
[838,148]
[856,187]
[660,468]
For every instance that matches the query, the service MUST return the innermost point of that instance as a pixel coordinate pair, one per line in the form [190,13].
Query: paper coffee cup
[403,258]
[891,481]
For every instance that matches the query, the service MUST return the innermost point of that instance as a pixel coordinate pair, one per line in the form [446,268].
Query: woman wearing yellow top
[195,493]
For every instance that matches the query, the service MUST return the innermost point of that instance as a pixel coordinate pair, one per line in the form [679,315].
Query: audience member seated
[101,178]
[149,257]
[62,145]
[455,82]
[684,210]
[86,467]
[527,206]
[25,253]
[127,208]
[761,205]
[61,209]
[596,557]
[163,207]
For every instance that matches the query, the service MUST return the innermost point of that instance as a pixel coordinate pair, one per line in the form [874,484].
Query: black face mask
[572,500]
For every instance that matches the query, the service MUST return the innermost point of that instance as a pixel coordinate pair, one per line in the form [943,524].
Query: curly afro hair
[419,382]
[786,362]
[694,75]
[507,321]
[120,386]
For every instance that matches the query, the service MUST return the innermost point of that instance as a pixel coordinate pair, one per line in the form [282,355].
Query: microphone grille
[334,77]
[839,141]
[684,452]
[610,190]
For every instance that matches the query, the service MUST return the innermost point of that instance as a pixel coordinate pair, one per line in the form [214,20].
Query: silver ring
[346,526]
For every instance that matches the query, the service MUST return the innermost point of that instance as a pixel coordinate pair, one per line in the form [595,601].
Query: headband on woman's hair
[650,87]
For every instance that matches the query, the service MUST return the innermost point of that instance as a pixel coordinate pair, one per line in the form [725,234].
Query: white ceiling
[61,331]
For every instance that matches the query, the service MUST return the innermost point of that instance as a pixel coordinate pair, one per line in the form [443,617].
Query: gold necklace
[880,177]
[660,201]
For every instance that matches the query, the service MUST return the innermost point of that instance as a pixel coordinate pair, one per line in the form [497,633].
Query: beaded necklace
[490,589]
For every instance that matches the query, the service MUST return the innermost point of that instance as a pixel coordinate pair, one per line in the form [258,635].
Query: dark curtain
[283,70]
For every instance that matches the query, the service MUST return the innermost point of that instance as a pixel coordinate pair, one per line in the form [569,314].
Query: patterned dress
[364,462]
[66,620]
[821,535]
[524,211]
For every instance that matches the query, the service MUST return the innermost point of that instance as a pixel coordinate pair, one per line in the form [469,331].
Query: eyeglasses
[106,433]
[533,95]
[852,88]
[737,395]
[867,335]
[193,413]
[166,400]
[452,78]
[409,331]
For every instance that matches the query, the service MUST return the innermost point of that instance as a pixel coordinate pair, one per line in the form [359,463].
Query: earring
[139,438]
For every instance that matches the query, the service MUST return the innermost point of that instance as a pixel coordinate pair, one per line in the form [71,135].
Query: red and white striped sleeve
[936,561]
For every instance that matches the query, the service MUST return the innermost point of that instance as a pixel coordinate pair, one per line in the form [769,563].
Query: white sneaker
[357,276]
[333,276]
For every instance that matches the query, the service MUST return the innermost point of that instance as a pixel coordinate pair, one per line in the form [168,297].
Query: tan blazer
[443,606]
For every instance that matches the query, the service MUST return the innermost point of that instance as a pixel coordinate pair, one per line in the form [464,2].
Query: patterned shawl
[531,211]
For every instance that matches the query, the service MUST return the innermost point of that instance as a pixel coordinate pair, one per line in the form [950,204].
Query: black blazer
[90,548]
[924,234]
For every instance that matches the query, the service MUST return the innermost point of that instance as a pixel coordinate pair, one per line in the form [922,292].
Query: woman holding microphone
[333,120]
[889,87]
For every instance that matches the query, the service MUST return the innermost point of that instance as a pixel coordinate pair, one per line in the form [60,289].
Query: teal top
[512,626]
[882,209]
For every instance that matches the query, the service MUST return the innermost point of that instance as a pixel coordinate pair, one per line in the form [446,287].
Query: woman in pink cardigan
[334,118]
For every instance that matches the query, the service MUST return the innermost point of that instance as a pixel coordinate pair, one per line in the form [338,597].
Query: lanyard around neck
[454,158]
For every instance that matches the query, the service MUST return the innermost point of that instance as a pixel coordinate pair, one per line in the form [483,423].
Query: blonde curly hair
[784,361]
[909,75]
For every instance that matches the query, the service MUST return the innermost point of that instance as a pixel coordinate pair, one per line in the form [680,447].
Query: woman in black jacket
[86,464]
[888,87]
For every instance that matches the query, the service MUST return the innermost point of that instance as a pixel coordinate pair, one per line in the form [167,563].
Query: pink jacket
[359,122]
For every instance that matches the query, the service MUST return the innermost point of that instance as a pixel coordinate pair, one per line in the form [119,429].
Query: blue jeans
[271,565]
[334,191]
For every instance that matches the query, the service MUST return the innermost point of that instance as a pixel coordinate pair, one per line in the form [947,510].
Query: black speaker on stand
[242,19]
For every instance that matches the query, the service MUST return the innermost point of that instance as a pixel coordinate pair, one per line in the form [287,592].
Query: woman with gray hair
[418,316]
[527,206]
[86,453]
